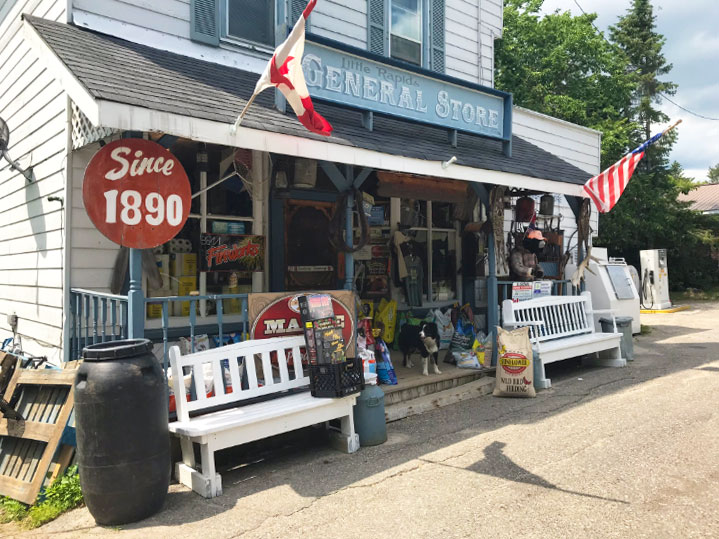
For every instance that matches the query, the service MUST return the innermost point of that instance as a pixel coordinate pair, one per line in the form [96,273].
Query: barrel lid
[116,349]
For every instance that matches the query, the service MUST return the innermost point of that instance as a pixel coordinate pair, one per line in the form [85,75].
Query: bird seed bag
[515,372]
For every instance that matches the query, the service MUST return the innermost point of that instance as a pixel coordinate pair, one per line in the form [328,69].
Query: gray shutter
[296,9]
[436,35]
[377,32]
[205,21]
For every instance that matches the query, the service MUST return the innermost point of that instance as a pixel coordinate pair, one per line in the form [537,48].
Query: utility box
[655,279]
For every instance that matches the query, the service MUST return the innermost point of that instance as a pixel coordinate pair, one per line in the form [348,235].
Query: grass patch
[695,294]
[64,494]
[645,330]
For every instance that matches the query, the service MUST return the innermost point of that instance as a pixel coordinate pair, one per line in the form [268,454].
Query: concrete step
[473,389]
[418,386]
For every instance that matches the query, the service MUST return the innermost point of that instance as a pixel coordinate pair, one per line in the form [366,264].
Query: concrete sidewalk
[626,452]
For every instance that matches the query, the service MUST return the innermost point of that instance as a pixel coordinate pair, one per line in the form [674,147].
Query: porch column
[349,257]
[492,282]
[135,297]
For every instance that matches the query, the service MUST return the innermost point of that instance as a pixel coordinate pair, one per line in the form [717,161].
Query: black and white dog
[423,339]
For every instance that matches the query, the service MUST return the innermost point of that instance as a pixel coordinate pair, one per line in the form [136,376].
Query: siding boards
[462,39]
[93,255]
[341,20]
[31,235]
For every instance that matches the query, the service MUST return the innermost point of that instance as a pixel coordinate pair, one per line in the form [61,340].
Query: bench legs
[610,358]
[208,483]
[540,378]
[345,440]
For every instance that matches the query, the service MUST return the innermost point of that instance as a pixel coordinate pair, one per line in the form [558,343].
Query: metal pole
[135,297]
[349,257]
[492,294]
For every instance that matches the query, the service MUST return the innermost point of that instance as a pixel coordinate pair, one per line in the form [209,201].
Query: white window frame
[422,33]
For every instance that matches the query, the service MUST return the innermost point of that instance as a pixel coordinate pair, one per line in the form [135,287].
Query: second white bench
[562,327]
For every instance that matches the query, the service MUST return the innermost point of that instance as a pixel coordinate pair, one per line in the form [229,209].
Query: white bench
[235,426]
[562,327]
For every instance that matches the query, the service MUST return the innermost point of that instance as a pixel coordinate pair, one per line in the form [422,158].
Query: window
[406,30]
[251,20]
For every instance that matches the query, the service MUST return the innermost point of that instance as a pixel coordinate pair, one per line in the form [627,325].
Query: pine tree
[636,35]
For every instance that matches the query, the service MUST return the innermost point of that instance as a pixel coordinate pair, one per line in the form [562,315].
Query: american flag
[606,188]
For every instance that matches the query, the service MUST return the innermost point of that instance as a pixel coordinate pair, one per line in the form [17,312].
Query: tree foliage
[713,174]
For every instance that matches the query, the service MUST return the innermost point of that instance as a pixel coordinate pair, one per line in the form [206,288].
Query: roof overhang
[128,117]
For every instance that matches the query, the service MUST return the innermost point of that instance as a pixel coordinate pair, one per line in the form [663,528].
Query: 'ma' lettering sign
[352,80]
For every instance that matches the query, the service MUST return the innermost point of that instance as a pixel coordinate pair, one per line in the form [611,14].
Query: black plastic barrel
[123,443]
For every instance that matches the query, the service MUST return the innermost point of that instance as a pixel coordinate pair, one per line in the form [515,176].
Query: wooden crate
[44,399]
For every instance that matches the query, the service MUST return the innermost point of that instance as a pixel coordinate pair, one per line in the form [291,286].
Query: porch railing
[95,318]
[99,317]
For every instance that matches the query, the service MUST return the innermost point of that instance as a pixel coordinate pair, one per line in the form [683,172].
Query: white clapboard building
[75,74]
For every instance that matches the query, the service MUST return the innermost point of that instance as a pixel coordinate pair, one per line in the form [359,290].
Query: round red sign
[136,193]
[281,318]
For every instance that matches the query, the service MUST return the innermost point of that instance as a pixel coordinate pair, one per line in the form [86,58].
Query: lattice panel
[83,132]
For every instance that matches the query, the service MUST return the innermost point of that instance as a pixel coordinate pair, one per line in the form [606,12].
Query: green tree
[557,64]
[713,174]
[636,35]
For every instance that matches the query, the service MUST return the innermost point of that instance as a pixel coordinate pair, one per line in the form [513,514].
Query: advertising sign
[277,314]
[230,252]
[136,193]
[353,80]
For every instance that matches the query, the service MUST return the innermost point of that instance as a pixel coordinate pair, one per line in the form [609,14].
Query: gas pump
[655,279]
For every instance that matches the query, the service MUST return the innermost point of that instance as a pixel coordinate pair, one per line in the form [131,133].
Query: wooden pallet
[27,447]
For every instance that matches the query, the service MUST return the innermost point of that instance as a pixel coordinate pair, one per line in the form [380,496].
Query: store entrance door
[310,260]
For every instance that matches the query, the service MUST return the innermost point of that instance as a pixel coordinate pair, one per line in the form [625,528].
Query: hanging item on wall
[525,209]
[496,207]
[546,205]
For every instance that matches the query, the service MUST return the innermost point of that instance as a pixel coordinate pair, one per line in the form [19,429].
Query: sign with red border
[136,193]
[279,316]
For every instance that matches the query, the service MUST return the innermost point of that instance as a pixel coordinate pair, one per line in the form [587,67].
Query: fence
[92,311]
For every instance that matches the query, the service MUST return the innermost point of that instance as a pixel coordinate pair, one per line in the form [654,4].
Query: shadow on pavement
[496,464]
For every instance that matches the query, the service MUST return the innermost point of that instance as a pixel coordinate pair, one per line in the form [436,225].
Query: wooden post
[135,297]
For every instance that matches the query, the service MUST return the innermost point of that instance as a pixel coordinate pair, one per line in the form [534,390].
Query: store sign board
[230,252]
[352,80]
[278,315]
[136,193]
[522,291]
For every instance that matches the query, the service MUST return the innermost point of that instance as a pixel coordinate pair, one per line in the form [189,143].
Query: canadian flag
[285,72]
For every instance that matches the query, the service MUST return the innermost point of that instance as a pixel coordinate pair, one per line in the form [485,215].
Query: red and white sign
[281,318]
[136,193]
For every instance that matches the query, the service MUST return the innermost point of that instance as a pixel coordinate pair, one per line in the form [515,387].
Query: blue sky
[691,28]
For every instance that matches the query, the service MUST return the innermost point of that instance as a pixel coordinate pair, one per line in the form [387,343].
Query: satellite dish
[4,142]
[4,136]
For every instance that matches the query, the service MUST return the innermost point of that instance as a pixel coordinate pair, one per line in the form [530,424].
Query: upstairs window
[251,20]
[406,30]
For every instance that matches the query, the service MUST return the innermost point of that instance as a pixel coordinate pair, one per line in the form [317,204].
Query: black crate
[337,380]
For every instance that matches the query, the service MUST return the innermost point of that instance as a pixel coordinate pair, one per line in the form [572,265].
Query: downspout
[67,234]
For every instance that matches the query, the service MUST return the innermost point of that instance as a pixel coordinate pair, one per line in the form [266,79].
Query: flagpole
[237,123]
[671,127]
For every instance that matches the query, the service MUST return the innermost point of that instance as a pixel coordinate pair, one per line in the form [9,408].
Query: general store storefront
[272,202]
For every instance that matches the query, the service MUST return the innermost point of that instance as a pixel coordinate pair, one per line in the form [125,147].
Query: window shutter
[205,21]
[296,9]
[437,35]
[377,32]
